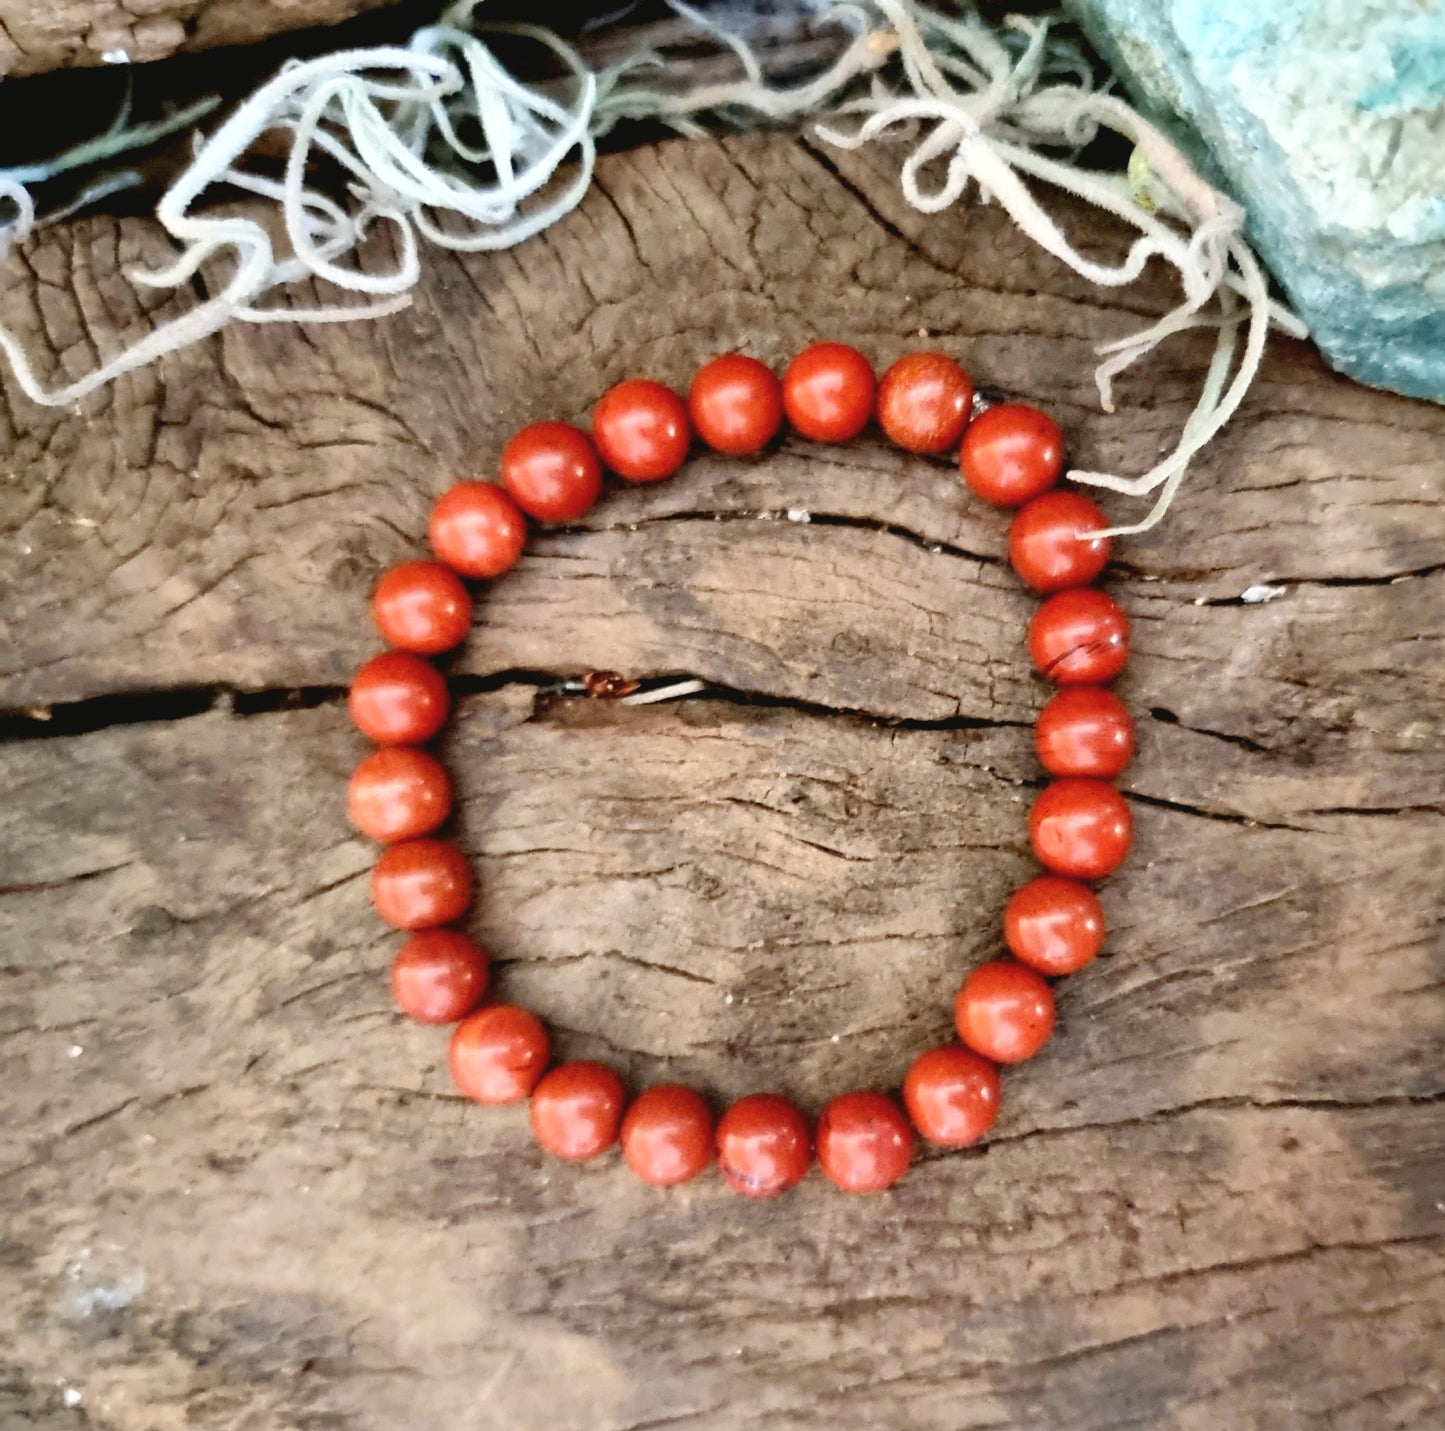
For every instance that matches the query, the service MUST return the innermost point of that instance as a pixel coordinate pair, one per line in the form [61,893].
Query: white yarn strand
[438,140]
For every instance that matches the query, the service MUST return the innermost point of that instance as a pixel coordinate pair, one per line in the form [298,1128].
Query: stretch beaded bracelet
[1010,455]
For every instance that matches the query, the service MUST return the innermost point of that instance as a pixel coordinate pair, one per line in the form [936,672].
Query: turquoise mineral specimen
[1326,119]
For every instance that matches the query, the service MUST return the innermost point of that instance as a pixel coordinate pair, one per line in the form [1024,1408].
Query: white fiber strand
[439,141]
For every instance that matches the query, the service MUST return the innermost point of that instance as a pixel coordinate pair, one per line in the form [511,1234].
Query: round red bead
[1079,638]
[552,471]
[1084,731]
[1081,828]
[477,530]
[1004,1011]
[641,430]
[498,1053]
[952,1095]
[398,699]
[667,1135]
[1011,454]
[1054,925]
[864,1142]
[577,1110]
[439,976]
[422,606]
[763,1145]
[828,392]
[1049,545]
[736,405]
[399,793]
[419,884]
[924,401]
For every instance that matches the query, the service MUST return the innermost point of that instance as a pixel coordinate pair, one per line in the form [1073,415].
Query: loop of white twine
[439,141]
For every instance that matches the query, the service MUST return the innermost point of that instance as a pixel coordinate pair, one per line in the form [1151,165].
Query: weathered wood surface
[41,35]
[236,1189]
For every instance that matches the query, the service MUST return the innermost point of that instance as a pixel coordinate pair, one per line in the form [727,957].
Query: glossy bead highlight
[477,530]
[422,606]
[1049,545]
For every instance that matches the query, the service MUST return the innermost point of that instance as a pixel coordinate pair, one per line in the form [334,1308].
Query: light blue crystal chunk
[1326,119]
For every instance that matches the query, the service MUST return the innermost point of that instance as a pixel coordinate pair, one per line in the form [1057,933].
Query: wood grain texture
[41,35]
[236,1190]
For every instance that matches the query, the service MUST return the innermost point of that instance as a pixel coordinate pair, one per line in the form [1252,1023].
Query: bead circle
[1079,826]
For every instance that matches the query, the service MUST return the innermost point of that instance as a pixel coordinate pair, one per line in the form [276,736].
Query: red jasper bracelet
[1010,455]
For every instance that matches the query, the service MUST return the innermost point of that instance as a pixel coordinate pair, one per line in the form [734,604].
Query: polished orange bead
[419,884]
[552,471]
[864,1142]
[667,1135]
[577,1110]
[1084,731]
[828,392]
[736,405]
[398,699]
[439,976]
[1079,638]
[641,430]
[1081,828]
[763,1145]
[399,793]
[924,401]
[1005,1011]
[1049,545]
[1011,454]
[952,1095]
[498,1053]
[422,606]
[477,530]
[1054,925]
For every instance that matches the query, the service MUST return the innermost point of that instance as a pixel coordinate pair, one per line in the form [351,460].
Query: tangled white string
[439,141]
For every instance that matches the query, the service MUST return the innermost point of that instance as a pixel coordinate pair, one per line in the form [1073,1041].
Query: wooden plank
[1214,1200]
[41,35]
